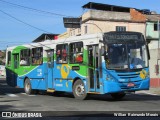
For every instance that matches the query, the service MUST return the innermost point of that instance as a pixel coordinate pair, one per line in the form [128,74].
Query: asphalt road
[14,99]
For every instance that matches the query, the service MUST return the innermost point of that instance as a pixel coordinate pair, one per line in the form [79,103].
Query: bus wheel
[27,87]
[118,96]
[79,91]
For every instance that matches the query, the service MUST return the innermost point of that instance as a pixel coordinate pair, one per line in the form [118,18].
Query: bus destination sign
[116,37]
[122,37]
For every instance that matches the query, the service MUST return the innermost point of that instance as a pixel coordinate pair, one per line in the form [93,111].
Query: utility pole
[158,32]
[158,56]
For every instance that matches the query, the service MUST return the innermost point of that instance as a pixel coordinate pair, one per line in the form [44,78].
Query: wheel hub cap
[80,90]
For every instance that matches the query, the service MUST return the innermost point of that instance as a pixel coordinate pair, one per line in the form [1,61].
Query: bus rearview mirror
[102,51]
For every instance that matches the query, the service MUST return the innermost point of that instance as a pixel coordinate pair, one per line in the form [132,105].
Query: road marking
[11,95]
[14,95]
[27,95]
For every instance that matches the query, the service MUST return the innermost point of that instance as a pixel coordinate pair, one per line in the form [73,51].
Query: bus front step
[50,90]
[94,93]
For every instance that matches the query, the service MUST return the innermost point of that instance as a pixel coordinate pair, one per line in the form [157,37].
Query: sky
[19,25]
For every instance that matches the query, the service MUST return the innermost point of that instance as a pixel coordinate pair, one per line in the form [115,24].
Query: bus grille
[130,75]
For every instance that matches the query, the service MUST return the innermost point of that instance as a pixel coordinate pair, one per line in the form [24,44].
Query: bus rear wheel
[27,87]
[118,96]
[79,91]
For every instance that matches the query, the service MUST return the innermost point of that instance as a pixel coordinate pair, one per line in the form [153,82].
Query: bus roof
[87,37]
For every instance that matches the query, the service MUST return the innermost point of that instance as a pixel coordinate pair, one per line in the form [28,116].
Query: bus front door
[50,65]
[15,66]
[93,70]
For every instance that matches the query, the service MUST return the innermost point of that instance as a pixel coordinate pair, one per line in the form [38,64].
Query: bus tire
[27,87]
[118,96]
[79,91]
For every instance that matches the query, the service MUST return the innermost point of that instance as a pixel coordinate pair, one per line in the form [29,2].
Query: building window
[62,53]
[37,56]
[25,57]
[85,30]
[9,58]
[120,28]
[76,52]
[155,27]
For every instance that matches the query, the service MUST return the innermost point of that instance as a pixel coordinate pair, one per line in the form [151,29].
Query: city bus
[112,63]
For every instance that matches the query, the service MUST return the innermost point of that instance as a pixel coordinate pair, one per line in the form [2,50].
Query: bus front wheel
[27,87]
[79,91]
[118,96]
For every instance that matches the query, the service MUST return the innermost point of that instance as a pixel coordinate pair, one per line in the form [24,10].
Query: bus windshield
[126,56]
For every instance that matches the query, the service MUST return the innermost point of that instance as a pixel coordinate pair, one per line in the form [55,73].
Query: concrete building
[45,36]
[63,35]
[105,18]
[152,36]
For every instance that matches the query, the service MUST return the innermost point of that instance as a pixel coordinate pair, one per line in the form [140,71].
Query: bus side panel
[20,82]
[61,73]
[36,75]
[11,78]
[64,76]
[63,85]
[38,84]
[32,72]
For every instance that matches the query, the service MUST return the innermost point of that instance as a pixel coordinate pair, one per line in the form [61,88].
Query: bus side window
[76,52]
[62,53]
[50,58]
[25,57]
[37,56]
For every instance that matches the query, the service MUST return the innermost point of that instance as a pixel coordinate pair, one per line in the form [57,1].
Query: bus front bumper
[113,87]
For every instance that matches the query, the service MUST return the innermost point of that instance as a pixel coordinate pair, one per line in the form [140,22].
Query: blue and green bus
[105,63]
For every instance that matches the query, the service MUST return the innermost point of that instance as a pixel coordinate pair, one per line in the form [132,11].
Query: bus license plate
[130,85]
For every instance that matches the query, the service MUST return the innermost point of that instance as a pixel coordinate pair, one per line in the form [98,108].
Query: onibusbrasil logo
[21,114]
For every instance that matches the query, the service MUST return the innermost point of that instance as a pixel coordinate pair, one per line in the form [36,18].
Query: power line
[33,9]
[13,42]
[24,22]
[10,41]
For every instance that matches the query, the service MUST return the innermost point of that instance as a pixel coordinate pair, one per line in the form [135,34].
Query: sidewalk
[155,90]
[151,91]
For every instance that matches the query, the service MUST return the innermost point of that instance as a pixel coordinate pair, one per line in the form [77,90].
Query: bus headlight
[109,78]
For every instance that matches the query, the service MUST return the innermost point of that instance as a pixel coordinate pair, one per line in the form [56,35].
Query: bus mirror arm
[148,53]
[102,51]
[101,41]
